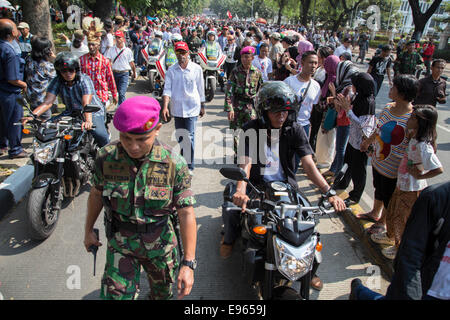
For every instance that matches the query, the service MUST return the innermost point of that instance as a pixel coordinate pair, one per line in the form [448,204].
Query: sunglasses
[181,52]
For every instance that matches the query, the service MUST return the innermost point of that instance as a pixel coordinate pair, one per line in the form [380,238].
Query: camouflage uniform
[240,96]
[194,44]
[145,196]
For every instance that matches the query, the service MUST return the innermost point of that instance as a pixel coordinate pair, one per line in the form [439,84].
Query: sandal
[328,174]
[389,252]
[366,216]
[376,228]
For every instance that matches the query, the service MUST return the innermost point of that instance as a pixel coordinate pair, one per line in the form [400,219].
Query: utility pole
[390,14]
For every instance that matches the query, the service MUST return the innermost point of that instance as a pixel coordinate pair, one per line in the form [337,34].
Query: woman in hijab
[343,84]
[317,112]
[361,112]
[303,46]
[326,138]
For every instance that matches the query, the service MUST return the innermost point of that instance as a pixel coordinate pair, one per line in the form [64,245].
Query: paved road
[60,268]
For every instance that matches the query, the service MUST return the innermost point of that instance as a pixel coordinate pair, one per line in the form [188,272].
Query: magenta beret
[137,115]
[248,49]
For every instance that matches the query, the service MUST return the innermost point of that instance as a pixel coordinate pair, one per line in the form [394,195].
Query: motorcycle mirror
[236,174]
[339,176]
[91,108]
[23,102]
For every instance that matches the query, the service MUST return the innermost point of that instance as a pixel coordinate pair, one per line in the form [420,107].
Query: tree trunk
[37,14]
[279,16]
[420,19]
[63,5]
[103,9]
[304,5]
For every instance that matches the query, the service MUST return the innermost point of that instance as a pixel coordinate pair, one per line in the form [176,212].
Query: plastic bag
[325,148]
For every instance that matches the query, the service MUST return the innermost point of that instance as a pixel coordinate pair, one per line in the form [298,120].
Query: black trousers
[316,122]
[356,172]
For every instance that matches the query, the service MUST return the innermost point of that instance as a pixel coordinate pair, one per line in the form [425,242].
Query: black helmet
[66,60]
[276,96]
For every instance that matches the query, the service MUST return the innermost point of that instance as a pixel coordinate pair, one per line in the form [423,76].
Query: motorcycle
[63,158]
[280,242]
[155,55]
[212,69]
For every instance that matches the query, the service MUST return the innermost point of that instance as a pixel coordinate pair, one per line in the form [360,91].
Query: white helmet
[211,33]
[176,37]
[158,33]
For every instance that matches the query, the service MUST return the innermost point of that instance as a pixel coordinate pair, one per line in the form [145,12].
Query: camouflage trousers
[242,113]
[127,252]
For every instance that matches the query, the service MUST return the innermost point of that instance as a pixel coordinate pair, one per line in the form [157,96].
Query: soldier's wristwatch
[190,263]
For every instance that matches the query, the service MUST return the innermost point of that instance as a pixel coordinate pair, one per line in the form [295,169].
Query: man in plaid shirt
[98,68]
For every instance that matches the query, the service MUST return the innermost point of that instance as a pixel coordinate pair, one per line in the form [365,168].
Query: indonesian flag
[229,14]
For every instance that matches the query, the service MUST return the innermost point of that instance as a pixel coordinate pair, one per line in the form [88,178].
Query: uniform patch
[116,171]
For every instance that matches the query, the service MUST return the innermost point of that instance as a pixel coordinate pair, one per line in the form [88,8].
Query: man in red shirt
[427,55]
[98,68]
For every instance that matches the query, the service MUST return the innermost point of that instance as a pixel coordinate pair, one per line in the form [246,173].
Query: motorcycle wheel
[39,211]
[151,81]
[210,92]
[285,293]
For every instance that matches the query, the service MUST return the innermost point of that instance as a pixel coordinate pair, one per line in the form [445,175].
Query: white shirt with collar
[122,63]
[186,89]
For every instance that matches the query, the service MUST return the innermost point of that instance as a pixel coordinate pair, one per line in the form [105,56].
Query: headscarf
[364,101]
[330,65]
[303,46]
[344,73]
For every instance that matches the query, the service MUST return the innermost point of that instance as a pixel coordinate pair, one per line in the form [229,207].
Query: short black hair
[407,86]
[438,61]
[325,52]
[386,48]
[347,56]
[307,54]
[41,48]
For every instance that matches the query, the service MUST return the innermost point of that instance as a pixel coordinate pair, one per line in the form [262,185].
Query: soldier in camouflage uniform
[140,183]
[243,85]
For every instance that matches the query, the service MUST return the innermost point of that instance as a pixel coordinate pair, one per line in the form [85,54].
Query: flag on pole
[229,14]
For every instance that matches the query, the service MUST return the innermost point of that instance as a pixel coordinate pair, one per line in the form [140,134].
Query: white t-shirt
[341,49]
[123,61]
[421,154]
[311,98]
[263,65]
[273,170]
[440,288]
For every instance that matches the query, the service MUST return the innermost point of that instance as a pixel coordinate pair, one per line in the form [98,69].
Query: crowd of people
[337,102]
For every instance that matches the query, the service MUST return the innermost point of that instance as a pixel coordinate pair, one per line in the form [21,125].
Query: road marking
[443,128]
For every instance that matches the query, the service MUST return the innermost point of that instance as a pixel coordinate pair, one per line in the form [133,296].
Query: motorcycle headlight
[44,153]
[294,262]
[212,64]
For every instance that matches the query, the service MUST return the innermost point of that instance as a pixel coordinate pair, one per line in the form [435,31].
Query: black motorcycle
[279,239]
[63,159]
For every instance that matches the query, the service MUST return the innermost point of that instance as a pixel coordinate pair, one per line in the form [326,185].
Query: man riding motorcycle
[213,51]
[277,108]
[76,90]
[171,57]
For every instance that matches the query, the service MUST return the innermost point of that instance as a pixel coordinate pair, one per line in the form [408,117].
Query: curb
[359,227]
[15,187]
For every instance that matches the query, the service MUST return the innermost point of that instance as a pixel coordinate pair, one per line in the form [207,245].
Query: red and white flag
[229,14]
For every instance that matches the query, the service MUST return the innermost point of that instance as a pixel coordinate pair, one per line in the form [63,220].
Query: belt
[136,228]
[117,71]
